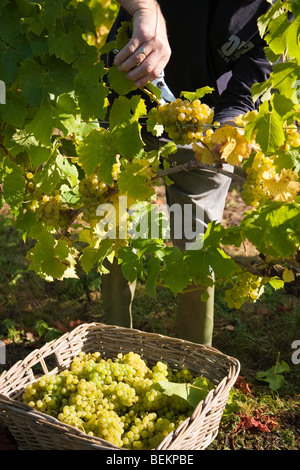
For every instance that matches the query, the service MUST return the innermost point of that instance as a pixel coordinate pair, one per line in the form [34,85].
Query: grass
[33,311]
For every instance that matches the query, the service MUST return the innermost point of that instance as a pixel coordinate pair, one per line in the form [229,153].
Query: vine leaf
[37,82]
[98,148]
[267,128]
[51,259]
[13,185]
[66,46]
[175,273]
[199,93]
[119,82]
[274,375]
[134,181]
[91,91]
[193,393]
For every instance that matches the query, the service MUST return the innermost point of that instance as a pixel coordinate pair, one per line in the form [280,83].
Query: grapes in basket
[122,400]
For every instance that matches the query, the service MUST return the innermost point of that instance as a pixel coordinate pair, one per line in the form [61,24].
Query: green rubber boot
[117,296]
[195,318]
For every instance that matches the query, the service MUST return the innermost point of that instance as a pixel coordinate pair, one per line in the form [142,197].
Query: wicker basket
[34,430]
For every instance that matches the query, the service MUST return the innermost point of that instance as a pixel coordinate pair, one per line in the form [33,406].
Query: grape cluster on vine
[222,144]
[184,120]
[49,207]
[246,288]
[292,137]
[263,181]
[115,399]
[93,191]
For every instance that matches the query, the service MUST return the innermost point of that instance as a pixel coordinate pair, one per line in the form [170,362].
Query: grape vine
[58,165]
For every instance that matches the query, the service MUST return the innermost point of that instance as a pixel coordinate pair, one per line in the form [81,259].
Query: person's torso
[207,37]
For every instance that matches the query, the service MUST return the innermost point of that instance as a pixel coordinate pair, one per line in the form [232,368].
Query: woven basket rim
[89,326]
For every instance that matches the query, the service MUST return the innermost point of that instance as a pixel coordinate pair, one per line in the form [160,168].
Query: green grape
[247,287]
[292,137]
[184,121]
[49,208]
[92,193]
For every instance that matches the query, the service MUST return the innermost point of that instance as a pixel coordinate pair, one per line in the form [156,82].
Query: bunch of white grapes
[93,191]
[184,120]
[49,207]
[246,288]
[263,181]
[118,399]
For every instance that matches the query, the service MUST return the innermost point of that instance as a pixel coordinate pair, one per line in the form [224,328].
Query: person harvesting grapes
[203,43]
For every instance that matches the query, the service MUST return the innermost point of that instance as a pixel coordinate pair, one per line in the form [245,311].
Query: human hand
[148,51]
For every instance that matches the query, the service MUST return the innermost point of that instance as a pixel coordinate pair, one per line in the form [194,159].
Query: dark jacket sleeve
[236,99]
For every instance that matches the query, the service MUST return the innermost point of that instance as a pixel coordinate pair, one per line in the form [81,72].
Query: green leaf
[51,11]
[222,265]
[292,38]
[152,126]
[98,148]
[13,186]
[85,19]
[89,58]
[273,229]
[126,109]
[48,177]
[66,46]
[275,36]
[92,92]
[134,181]
[68,170]
[19,141]
[123,34]
[282,105]
[123,120]
[127,139]
[284,77]
[62,114]
[39,155]
[174,273]
[25,221]
[264,20]
[261,91]
[89,258]
[268,130]
[43,123]
[276,283]
[11,55]
[37,82]
[287,160]
[15,109]
[153,268]
[9,25]
[193,393]
[295,7]
[273,375]
[199,93]
[48,258]
[119,82]
[130,263]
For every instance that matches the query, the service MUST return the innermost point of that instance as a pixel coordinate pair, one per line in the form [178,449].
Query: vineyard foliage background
[58,164]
